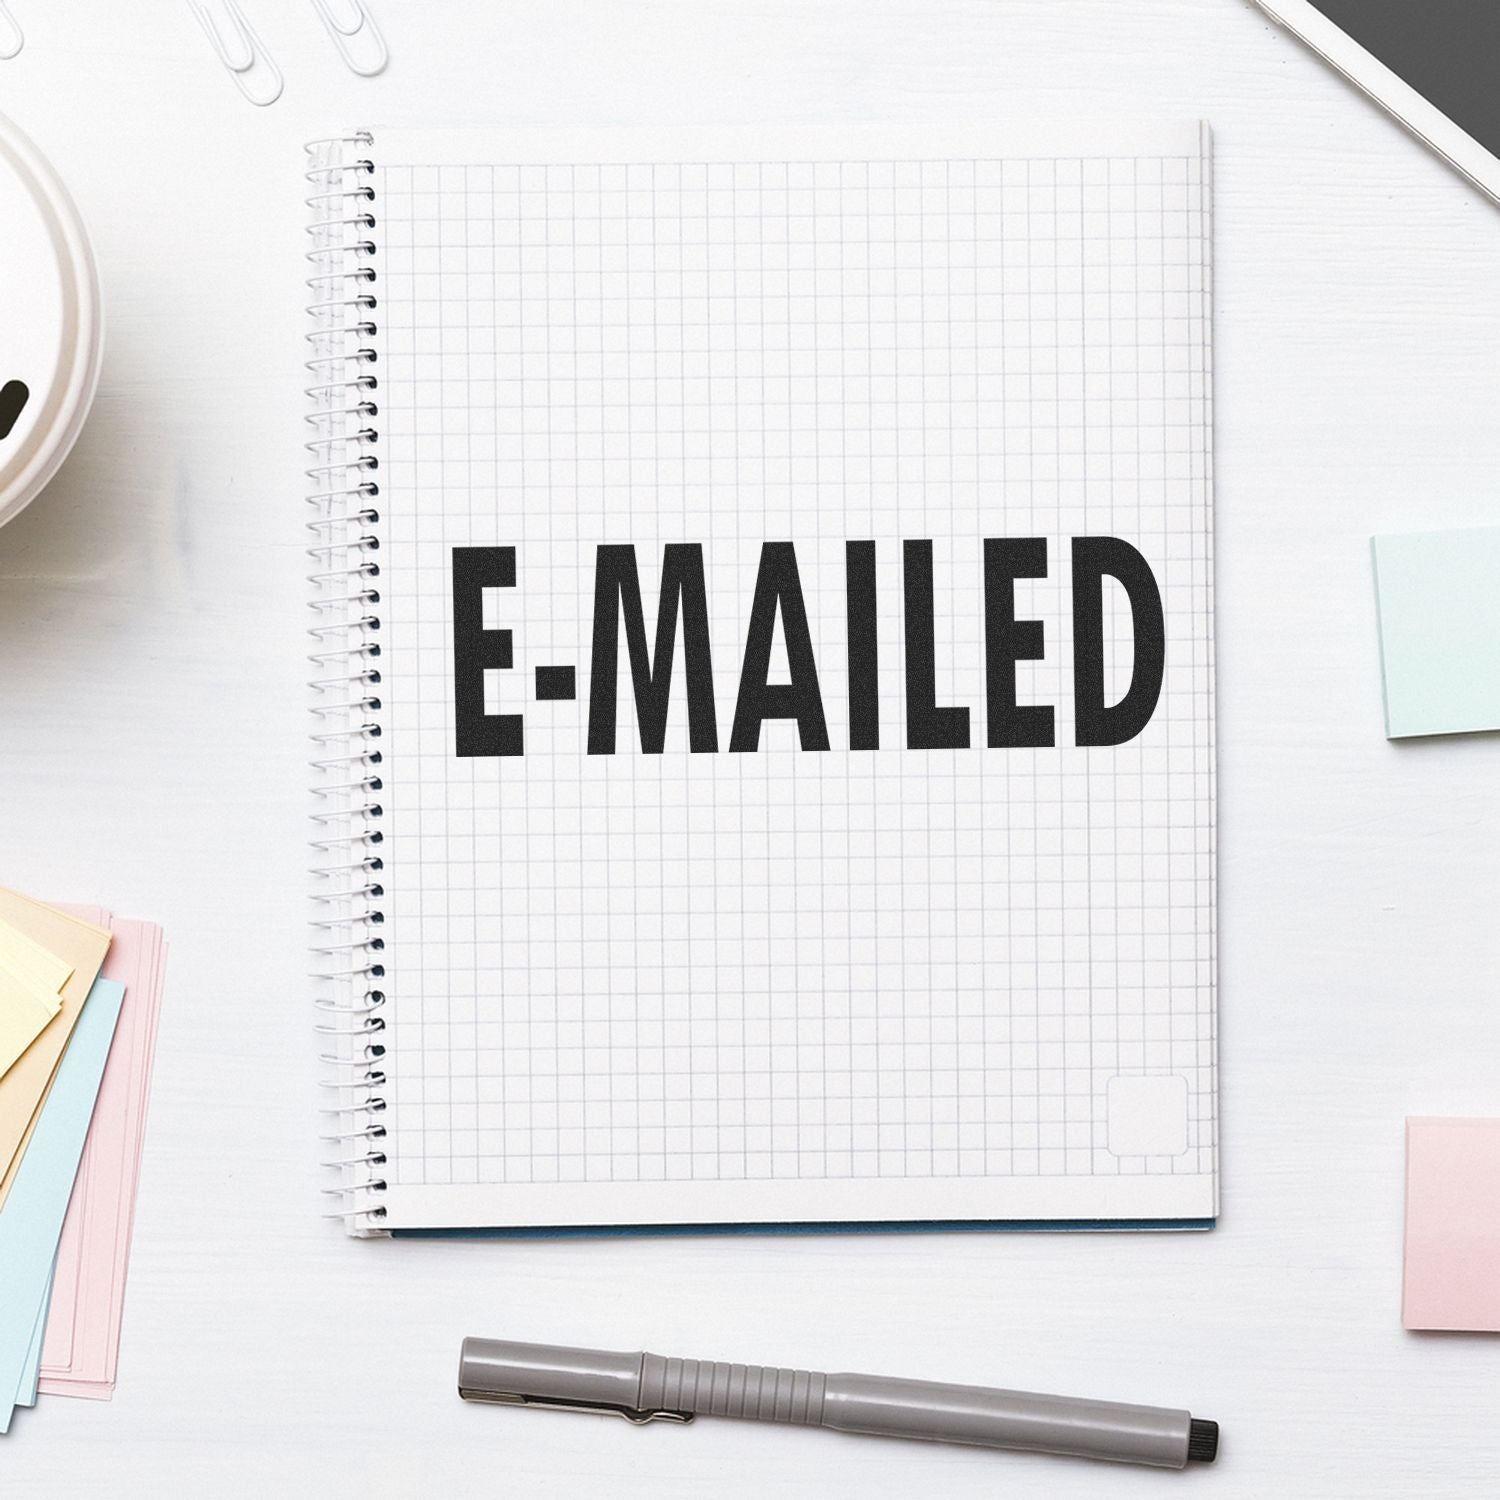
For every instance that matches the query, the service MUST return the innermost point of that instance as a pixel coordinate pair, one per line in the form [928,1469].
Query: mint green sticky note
[1437,594]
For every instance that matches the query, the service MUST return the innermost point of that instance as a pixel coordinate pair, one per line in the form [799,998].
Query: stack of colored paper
[80,993]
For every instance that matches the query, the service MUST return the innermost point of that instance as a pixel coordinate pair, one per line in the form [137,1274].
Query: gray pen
[646,1387]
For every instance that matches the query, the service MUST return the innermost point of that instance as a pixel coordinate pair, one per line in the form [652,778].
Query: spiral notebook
[764,709]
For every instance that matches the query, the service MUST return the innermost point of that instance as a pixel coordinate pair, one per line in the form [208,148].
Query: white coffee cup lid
[51,321]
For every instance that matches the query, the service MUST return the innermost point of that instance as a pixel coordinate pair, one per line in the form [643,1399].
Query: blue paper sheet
[32,1219]
[31,1373]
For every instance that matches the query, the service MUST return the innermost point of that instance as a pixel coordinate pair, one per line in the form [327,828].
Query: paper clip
[12,38]
[360,25]
[241,59]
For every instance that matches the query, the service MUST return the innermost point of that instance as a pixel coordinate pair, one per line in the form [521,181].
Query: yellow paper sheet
[25,1009]
[24,956]
[82,946]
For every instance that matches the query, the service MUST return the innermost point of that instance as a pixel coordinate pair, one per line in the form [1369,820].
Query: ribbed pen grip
[760,1393]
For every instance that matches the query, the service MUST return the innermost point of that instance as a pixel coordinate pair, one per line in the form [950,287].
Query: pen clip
[517,1398]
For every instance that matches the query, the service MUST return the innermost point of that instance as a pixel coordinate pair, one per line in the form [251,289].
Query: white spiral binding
[343,351]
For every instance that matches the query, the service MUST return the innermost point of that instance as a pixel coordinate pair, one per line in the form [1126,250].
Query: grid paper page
[715,984]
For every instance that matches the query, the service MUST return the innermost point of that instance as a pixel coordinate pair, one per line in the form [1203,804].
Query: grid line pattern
[894,963]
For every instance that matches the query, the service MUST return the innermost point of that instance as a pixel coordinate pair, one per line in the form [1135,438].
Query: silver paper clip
[357,37]
[247,58]
[12,38]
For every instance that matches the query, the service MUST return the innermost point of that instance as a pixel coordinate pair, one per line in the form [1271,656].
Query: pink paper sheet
[1452,1275]
[81,1350]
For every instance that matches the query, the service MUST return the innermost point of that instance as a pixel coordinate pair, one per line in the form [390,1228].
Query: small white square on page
[1148,1115]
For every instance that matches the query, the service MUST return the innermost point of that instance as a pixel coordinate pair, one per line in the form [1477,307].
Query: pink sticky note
[1452,1225]
[82,1342]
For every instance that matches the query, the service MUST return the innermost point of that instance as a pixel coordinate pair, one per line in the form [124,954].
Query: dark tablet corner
[1447,50]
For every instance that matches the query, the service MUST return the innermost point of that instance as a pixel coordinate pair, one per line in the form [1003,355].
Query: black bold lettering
[1097,723]
[778,585]
[477,650]
[864,646]
[617,589]
[1007,640]
[928,727]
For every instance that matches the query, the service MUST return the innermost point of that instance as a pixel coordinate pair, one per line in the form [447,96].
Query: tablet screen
[1447,50]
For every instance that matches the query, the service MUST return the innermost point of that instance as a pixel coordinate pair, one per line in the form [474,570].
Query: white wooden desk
[151,759]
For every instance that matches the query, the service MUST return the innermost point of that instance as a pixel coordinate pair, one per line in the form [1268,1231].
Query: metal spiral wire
[343,536]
